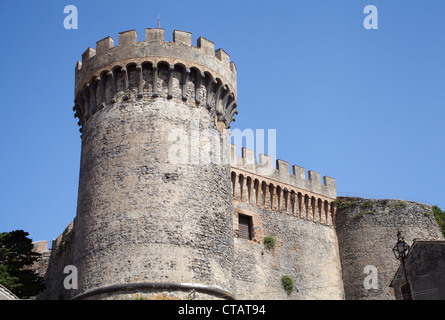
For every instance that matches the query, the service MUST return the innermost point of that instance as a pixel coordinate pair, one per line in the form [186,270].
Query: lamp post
[400,251]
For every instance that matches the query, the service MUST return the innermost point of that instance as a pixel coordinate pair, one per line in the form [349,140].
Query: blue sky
[365,107]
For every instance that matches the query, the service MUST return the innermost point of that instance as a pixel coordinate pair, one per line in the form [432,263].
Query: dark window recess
[244,227]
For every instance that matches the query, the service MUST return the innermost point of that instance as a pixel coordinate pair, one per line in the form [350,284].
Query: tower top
[155,49]
[110,72]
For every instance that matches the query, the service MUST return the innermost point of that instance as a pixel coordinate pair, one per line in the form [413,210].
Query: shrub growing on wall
[269,242]
[440,218]
[288,284]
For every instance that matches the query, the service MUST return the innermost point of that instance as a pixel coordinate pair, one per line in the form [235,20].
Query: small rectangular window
[244,227]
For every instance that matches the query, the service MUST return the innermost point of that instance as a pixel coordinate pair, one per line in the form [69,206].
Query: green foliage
[440,218]
[366,205]
[288,284]
[426,212]
[361,214]
[344,204]
[269,242]
[399,204]
[364,209]
[16,258]
[402,204]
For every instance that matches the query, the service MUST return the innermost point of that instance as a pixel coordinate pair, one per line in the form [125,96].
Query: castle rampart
[300,214]
[261,185]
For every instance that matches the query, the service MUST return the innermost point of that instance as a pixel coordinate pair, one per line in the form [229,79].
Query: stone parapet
[148,69]
[281,175]
[180,49]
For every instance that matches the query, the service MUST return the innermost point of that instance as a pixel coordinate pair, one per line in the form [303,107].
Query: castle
[155,221]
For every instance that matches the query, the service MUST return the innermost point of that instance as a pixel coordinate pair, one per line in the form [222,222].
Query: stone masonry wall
[54,261]
[367,232]
[307,251]
[140,217]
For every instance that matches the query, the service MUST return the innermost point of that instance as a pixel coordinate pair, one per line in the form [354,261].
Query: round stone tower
[367,232]
[154,211]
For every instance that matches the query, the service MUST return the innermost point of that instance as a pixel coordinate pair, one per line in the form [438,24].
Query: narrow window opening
[244,227]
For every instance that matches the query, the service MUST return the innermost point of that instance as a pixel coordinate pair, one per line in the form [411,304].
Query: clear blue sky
[365,107]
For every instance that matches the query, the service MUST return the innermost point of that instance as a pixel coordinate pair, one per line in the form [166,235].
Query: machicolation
[143,70]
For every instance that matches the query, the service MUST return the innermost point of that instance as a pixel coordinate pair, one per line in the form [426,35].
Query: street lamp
[401,248]
[400,251]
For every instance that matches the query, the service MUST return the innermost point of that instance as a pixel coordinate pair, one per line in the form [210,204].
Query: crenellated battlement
[155,68]
[261,185]
[180,49]
[282,174]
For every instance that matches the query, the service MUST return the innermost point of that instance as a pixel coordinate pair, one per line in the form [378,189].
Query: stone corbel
[199,77]
[110,75]
[92,96]
[221,112]
[141,81]
[78,113]
[231,111]
[217,97]
[210,85]
[185,78]
[155,80]
[86,98]
[126,83]
[171,71]
[101,82]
